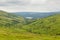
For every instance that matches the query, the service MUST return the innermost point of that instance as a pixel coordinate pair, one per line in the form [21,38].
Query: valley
[16,27]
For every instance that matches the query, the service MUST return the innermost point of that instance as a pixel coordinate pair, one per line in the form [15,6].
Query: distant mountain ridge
[35,14]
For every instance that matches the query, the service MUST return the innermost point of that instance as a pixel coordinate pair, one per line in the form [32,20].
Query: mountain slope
[8,19]
[33,29]
[49,25]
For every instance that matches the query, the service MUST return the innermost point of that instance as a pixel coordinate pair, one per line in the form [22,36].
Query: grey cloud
[22,5]
[14,2]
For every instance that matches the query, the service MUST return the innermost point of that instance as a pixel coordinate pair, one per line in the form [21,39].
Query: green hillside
[49,25]
[9,19]
[14,27]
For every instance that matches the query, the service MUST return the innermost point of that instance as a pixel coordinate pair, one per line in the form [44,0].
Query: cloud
[13,2]
[38,1]
[30,5]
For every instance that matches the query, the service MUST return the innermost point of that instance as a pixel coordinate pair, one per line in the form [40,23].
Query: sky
[30,5]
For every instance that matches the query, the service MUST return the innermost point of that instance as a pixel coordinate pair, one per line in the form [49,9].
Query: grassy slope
[19,34]
[49,25]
